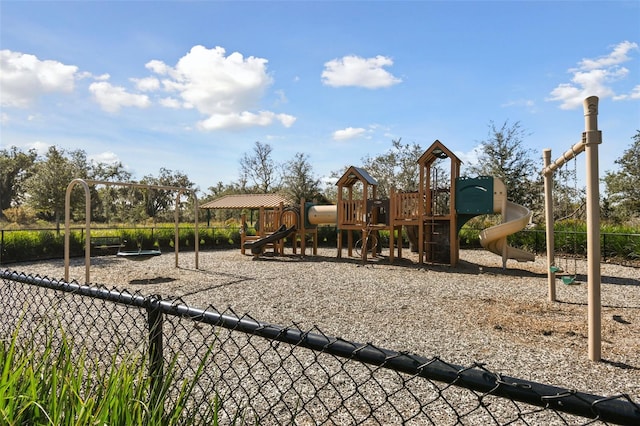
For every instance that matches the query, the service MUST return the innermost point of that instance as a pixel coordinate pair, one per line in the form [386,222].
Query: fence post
[156,356]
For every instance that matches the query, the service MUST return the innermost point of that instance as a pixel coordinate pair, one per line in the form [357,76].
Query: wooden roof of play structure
[355,174]
[247,201]
[438,151]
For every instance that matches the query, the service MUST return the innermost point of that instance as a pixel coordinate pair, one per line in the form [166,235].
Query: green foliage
[31,245]
[57,387]
[621,242]
[48,183]
[327,236]
[15,168]
[298,181]
[618,242]
[623,189]
[20,215]
[503,155]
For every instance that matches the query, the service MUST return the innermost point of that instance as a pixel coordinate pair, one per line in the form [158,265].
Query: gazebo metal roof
[247,201]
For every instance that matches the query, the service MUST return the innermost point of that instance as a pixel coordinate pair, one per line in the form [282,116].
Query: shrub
[46,386]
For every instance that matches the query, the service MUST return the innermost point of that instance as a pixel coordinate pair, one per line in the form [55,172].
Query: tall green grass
[57,387]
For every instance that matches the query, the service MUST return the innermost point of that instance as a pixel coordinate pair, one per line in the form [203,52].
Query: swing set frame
[87,254]
[591,138]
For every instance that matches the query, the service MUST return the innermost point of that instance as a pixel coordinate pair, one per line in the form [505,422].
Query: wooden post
[592,139]
[550,225]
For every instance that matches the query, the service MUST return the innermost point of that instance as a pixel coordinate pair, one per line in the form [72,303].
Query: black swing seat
[139,255]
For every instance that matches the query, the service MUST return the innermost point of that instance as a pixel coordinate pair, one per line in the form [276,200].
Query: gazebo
[270,207]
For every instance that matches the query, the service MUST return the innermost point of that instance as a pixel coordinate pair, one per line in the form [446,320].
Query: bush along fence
[40,244]
[224,368]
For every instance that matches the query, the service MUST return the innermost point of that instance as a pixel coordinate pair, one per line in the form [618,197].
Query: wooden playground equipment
[268,222]
[591,138]
[432,215]
[300,221]
[359,210]
[430,210]
[428,213]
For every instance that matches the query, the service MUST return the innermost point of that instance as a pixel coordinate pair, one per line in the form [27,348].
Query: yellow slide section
[514,218]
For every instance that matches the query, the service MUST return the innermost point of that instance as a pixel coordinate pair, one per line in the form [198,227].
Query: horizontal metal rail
[618,409]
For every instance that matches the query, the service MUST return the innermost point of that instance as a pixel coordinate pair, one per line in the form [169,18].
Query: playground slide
[494,238]
[282,232]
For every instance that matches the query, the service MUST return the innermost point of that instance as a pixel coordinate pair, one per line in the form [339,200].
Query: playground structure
[473,201]
[591,138]
[131,255]
[432,215]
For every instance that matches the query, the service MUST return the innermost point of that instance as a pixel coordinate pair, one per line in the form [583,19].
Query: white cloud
[470,158]
[226,88]
[357,71]
[146,84]
[619,55]
[634,94]
[24,78]
[245,119]
[595,77]
[527,103]
[170,103]
[348,133]
[107,157]
[40,147]
[111,98]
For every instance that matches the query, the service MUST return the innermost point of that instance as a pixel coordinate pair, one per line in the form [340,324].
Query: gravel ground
[475,311]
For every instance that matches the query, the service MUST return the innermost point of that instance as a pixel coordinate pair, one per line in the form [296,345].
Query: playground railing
[406,205]
[352,213]
[247,371]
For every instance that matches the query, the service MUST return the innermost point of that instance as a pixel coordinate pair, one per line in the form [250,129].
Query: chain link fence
[248,372]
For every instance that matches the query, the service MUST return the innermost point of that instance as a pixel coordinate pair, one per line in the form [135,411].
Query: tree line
[34,187]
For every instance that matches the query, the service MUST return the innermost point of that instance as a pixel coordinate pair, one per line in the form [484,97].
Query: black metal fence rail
[248,371]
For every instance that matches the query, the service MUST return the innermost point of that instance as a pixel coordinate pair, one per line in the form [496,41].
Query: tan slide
[514,218]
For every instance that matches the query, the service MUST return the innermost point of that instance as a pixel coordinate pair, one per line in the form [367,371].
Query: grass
[43,386]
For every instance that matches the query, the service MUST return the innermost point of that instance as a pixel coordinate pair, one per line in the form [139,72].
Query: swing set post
[591,138]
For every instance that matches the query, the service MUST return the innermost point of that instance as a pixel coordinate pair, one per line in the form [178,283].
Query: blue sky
[191,86]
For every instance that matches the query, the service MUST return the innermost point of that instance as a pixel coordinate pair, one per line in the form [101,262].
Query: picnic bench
[107,243]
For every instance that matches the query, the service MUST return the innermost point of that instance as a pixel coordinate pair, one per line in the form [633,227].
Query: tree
[157,201]
[109,202]
[622,187]
[259,168]
[48,185]
[220,190]
[502,155]
[396,168]
[298,181]
[15,168]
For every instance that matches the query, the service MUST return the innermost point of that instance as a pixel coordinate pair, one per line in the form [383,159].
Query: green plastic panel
[474,196]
